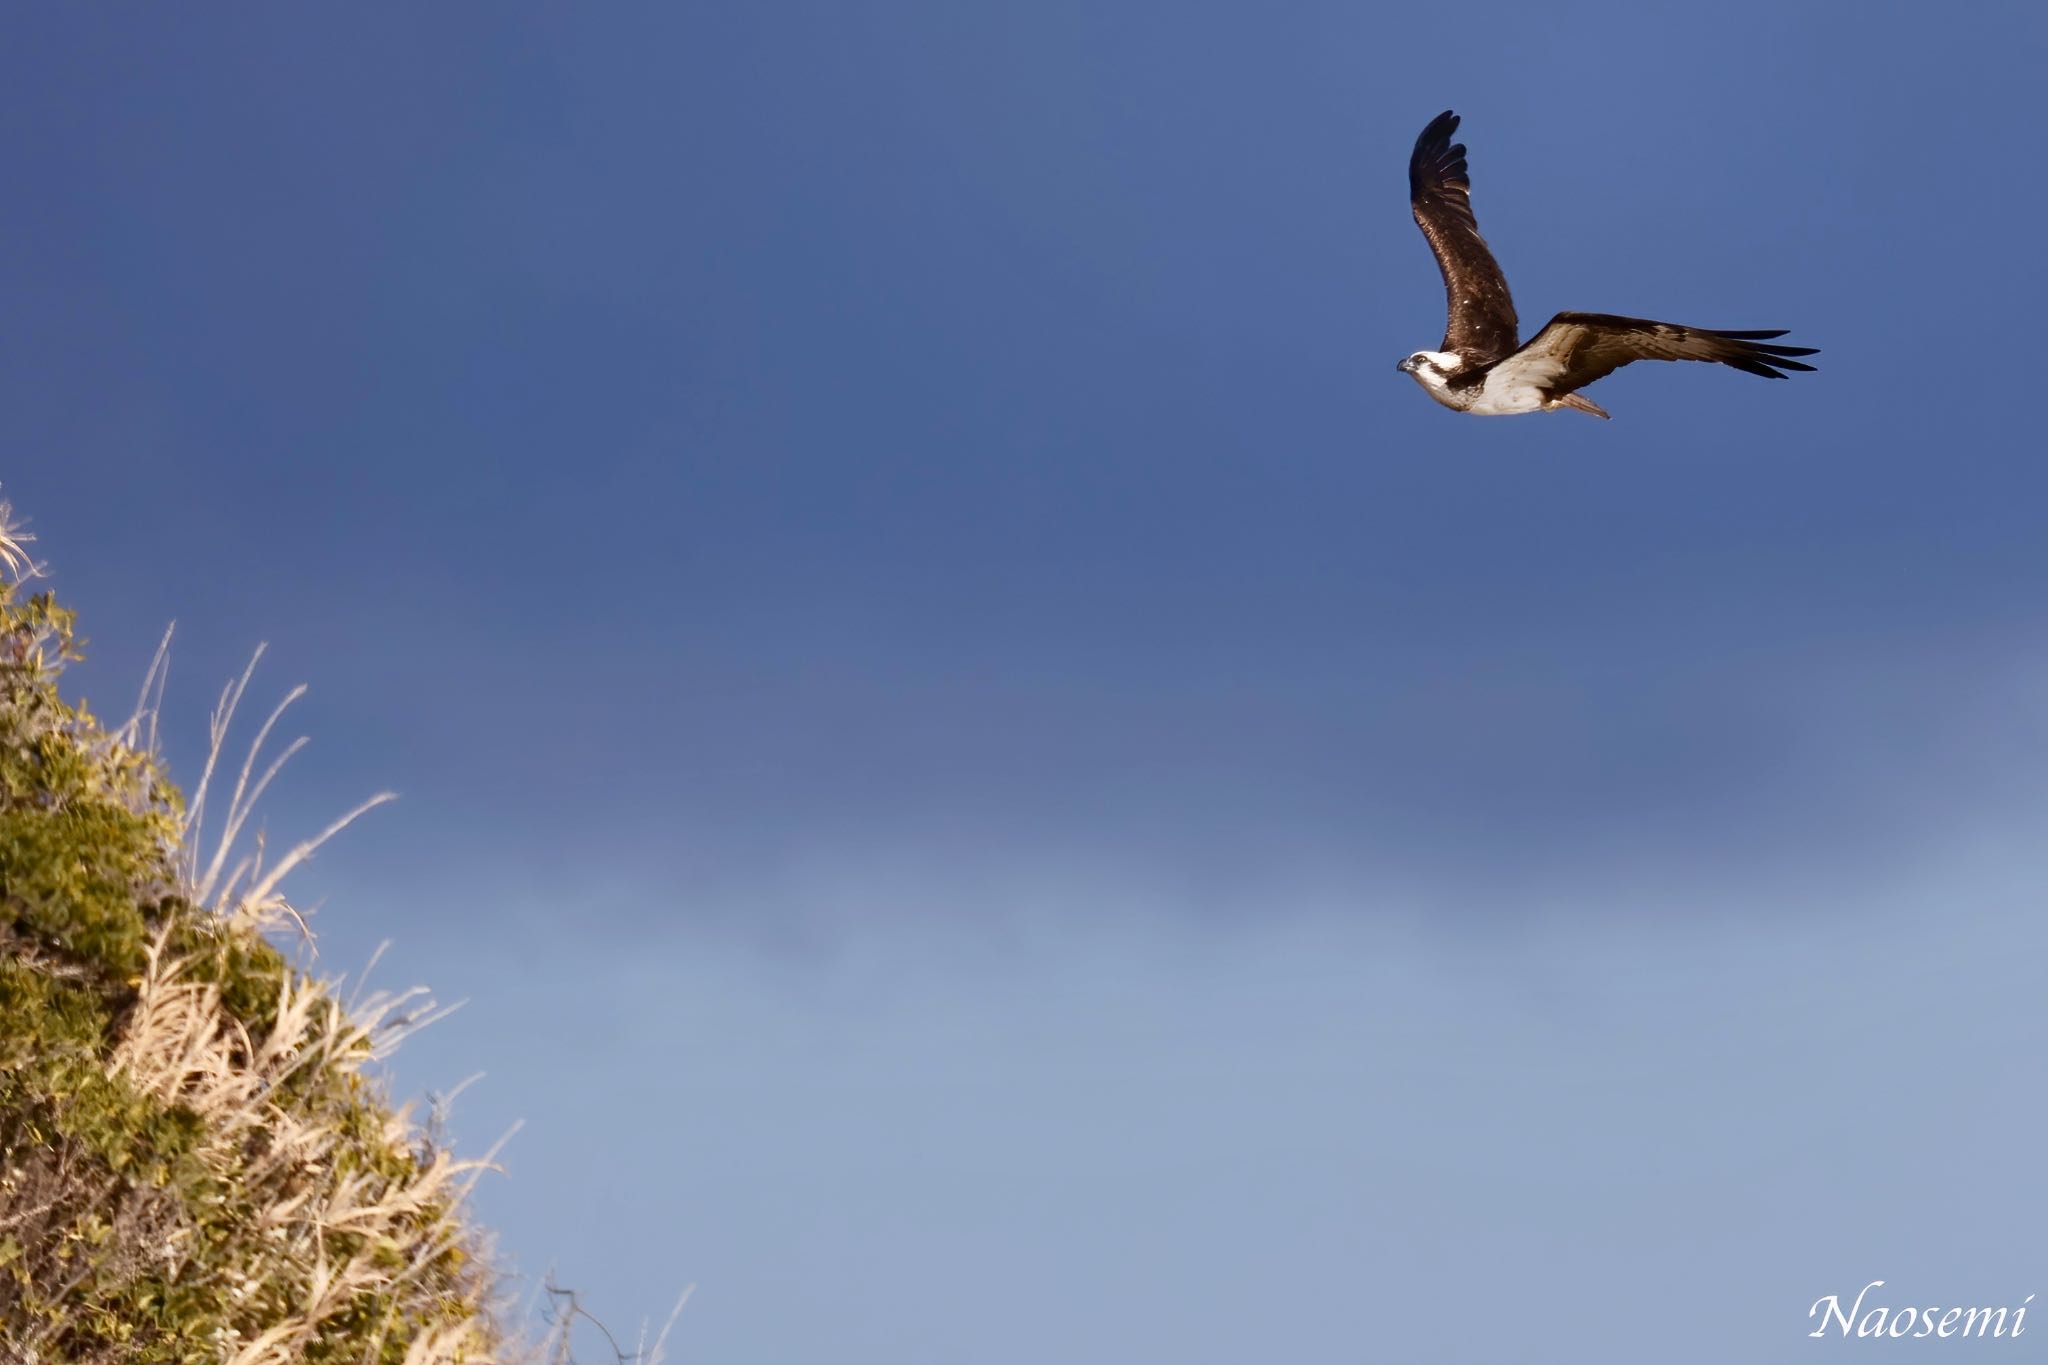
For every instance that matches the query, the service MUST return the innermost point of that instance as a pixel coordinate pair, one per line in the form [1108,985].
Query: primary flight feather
[1482,368]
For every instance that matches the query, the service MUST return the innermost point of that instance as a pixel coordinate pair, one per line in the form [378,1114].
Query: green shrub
[194,1164]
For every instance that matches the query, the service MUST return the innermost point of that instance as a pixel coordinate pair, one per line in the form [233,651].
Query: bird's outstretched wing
[1574,349]
[1482,313]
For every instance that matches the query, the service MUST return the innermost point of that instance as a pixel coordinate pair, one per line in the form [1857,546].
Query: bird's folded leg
[1578,403]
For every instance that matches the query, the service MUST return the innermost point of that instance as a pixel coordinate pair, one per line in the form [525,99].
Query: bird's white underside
[1515,385]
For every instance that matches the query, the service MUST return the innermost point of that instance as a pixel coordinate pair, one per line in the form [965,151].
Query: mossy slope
[193,1165]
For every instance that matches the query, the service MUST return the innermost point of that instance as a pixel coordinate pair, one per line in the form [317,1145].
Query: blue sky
[999,786]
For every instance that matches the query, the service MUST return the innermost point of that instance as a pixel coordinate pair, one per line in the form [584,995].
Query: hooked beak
[1407,366]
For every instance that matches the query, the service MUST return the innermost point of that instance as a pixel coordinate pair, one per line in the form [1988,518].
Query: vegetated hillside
[194,1166]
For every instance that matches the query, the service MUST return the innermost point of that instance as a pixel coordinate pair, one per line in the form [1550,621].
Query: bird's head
[1432,369]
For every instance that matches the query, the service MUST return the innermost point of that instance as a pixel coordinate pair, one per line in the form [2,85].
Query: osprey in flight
[1482,367]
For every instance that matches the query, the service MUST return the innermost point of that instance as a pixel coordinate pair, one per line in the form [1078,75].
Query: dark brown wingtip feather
[1768,361]
[1764,336]
[1750,355]
[1436,161]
